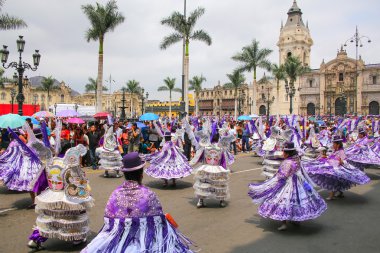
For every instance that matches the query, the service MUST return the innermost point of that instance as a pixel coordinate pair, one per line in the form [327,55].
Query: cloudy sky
[132,51]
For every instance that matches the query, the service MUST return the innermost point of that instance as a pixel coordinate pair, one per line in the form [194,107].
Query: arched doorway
[310,109]
[340,106]
[374,108]
[262,110]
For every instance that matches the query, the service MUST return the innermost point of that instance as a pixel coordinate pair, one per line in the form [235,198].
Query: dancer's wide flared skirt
[291,199]
[211,182]
[18,170]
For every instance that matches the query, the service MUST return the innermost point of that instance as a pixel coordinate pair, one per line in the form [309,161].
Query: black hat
[337,138]
[289,146]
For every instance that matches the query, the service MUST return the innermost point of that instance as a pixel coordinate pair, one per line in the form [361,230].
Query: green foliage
[133,87]
[8,22]
[294,68]
[196,83]
[236,80]
[92,84]
[252,57]
[169,85]
[103,19]
[184,29]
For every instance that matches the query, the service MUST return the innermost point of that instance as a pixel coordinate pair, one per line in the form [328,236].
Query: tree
[184,31]
[103,19]
[133,87]
[279,74]
[169,85]
[293,68]
[8,22]
[252,57]
[91,86]
[48,84]
[196,86]
[236,80]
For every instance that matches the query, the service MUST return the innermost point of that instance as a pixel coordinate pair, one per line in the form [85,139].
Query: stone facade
[332,90]
[221,101]
[35,96]
[162,107]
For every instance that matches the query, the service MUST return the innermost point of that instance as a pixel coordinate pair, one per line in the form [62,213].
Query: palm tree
[133,87]
[236,80]
[8,22]
[184,31]
[293,68]
[252,57]
[91,86]
[196,86]
[169,85]
[279,74]
[103,19]
[48,84]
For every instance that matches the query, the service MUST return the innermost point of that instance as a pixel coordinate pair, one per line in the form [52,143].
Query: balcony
[371,88]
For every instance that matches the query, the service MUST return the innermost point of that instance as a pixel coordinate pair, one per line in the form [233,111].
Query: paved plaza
[349,225]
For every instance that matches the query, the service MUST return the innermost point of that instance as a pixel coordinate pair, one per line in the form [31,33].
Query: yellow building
[162,108]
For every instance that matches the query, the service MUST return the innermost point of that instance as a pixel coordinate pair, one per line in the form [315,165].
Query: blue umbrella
[244,117]
[139,125]
[11,121]
[149,116]
[34,121]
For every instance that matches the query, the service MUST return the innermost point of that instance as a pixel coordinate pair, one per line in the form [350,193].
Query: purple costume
[134,222]
[329,174]
[168,163]
[18,167]
[361,155]
[288,195]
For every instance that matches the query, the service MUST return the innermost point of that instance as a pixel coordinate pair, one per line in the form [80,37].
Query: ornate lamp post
[290,92]
[146,97]
[358,40]
[142,100]
[20,66]
[55,108]
[122,107]
[268,101]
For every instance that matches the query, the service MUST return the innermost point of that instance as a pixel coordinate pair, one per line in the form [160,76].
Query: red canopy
[27,110]
[101,115]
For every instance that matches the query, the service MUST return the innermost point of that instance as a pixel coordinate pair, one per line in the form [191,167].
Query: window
[3,96]
[62,98]
[230,92]
[341,77]
[374,79]
[311,83]
[289,54]
[49,98]
[225,92]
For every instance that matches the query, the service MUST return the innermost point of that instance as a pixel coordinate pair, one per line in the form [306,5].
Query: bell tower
[295,39]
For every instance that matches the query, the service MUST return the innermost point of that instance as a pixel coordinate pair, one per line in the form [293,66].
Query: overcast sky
[132,51]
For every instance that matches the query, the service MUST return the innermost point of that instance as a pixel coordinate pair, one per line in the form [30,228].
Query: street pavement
[349,225]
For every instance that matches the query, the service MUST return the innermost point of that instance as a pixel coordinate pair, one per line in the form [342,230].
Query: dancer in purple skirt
[289,195]
[169,163]
[134,220]
[334,173]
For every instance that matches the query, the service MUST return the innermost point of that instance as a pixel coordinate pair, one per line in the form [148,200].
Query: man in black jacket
[93,138]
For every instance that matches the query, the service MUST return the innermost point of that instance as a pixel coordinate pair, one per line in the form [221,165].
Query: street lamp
[290,92]
[358,40]
[146,96]
[122,107]
[142,100]
[55,109]
[20,66]
[76,107]
[268,101]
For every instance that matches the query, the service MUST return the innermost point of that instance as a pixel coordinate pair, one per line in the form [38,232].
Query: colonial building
[113,102]
[162,107]
[221,101]
[34,95]
[332,90]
